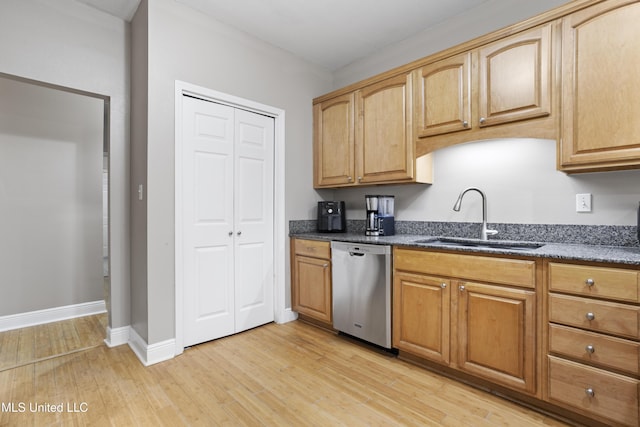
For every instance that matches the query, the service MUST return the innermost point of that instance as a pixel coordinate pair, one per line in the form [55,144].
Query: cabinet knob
[443,285]
[590,316]
[461,288]
[590,392]
[590,282]
[482,120]
[590,349]
[465,124]
[359,178]
[349,178]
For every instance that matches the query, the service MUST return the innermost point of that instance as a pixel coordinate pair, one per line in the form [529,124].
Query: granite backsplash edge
[607,235]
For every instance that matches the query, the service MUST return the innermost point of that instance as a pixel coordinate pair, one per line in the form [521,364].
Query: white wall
[186,45]
[519,176]
[65,43]
[522,186]
[50,198]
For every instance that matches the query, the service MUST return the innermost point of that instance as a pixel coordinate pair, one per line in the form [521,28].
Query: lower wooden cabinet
[496,334]
[484,329]
[594,392]
[311,279]
[422,315]
[593,361]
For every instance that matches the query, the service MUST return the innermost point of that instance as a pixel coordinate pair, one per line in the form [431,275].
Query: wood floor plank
[292,374]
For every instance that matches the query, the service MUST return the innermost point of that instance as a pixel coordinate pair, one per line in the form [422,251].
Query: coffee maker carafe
[380,220]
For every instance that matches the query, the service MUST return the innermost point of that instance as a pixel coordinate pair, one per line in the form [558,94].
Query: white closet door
[253,213]
[228,264]
[208,149]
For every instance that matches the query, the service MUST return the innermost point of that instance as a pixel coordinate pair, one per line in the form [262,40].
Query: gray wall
[50,198]
[139,97]
[186,45]
[65,43]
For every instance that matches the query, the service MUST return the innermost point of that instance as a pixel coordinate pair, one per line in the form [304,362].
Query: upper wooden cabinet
[384,137]
[378,148]
[334,141]
[601,88]
[443,96]
[515,78]
[507,81]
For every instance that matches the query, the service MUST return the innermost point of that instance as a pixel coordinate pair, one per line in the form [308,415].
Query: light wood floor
[27,345]
[275,375]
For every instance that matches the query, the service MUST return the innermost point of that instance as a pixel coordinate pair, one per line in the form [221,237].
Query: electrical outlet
[583,202]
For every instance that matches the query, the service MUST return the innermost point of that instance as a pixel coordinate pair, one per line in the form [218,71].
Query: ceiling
[330,33]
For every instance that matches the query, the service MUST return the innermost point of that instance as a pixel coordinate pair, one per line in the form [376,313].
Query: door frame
[282,314]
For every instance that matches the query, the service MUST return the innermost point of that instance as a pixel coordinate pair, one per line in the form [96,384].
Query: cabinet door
[496,334]
[334,144]
[421,316]
[384,138]
[312,287]
[442,96]
[601,87]
[515,78]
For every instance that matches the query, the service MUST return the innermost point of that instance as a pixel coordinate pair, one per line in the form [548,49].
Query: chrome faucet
[484,233]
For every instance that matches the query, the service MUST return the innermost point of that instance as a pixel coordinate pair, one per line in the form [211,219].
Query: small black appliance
[331,217]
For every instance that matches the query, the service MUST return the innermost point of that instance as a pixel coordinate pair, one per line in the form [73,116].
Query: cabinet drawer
[592,391]
[600,316]
[313,248]
[505,271]
[614,283]
[596,349]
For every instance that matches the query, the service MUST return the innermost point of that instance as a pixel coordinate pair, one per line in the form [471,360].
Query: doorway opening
[54,216]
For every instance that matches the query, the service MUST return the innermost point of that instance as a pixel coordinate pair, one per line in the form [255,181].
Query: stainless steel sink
[476,243]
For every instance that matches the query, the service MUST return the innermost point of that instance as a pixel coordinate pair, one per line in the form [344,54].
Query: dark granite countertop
[629,255]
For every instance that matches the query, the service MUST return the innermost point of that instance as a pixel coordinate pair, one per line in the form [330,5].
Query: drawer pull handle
[590,392]
[590,349]
[590,282]
[590,316]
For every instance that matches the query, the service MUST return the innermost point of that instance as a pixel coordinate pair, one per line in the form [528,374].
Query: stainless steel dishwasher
[361,275]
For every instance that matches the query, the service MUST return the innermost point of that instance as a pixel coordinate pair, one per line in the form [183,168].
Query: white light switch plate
[583,202]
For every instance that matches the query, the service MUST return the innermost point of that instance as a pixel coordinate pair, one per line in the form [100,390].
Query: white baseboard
[151,354]
[56,314]
[117,336]
[285,316]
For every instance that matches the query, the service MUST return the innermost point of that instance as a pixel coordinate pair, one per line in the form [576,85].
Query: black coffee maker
[331,217]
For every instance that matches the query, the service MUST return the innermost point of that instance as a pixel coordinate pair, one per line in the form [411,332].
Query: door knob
[239,233]
[230,233]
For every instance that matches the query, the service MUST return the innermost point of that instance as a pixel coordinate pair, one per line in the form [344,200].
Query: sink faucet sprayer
[484,233]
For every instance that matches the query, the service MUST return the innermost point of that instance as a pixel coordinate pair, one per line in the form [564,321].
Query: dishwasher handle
[351,253]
